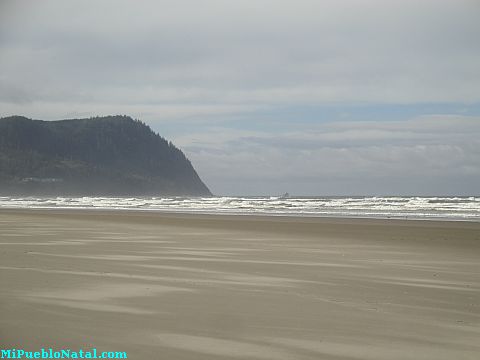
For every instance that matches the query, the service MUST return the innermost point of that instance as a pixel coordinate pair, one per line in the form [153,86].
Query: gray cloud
[248,52]
[429,154]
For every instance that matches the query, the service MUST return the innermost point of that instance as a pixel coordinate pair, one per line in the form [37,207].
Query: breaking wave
[459,208]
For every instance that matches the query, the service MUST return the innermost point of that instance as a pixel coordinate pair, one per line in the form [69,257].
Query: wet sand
[171,286]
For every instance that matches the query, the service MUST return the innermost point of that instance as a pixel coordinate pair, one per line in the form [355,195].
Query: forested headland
[111,155]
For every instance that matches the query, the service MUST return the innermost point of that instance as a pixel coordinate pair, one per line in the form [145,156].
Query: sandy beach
[173,286]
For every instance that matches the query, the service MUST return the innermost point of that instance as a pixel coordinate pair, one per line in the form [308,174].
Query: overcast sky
[310,97]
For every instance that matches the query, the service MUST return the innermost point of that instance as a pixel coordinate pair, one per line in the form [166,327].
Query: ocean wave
[467,208]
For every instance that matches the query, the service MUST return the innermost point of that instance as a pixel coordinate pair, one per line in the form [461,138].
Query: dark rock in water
[112,155]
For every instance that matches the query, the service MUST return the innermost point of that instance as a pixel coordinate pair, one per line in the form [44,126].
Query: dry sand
[170,286]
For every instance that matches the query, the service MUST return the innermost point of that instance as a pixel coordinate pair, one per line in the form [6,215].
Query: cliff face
[113,155]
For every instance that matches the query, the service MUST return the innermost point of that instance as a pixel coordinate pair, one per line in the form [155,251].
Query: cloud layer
[426,155]
[226,80]
[113,55]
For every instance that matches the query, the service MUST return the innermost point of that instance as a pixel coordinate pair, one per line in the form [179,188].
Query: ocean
[446,208]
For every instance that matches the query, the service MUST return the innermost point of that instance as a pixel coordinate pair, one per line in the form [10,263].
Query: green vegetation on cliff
[112,155]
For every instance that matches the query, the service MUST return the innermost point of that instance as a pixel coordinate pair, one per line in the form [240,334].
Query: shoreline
[409,208]
[193,213]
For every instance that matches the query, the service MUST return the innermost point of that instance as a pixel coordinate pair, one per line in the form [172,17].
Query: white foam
[460,208]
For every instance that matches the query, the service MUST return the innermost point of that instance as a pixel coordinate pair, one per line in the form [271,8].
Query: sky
[266,96]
